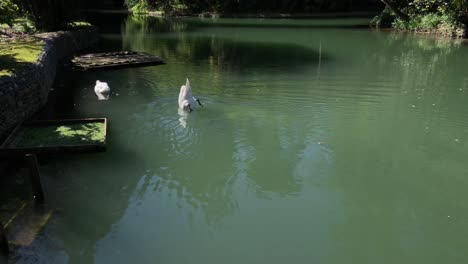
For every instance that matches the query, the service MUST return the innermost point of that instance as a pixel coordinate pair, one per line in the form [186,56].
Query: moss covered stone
[18,53]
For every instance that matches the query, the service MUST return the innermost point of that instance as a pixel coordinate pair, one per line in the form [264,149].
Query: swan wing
[189,88]
[182,96]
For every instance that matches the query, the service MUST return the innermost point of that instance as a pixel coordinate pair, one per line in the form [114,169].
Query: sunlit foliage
[450,17]
[8,12]
[254,6]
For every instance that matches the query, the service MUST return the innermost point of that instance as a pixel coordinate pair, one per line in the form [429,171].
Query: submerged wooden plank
[115,59]
[26,224]
[3,243]
[56,136]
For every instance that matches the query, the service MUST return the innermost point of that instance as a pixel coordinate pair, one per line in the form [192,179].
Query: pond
[319,142]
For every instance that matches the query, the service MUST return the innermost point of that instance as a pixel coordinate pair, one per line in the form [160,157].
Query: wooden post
[3,243]
[38,193]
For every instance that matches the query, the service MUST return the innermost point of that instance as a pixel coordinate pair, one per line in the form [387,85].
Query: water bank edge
[25,92]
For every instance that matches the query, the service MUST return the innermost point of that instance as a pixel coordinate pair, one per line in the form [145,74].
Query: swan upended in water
[102,90]
[186,99]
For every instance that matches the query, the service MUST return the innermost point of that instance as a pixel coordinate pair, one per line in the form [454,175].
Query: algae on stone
[72,134]
[17,53]
[78,25]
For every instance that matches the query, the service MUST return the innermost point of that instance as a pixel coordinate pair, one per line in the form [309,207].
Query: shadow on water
[240,56]
[225,53]
[164,25]
[87,204]
[107,22]
[272,23]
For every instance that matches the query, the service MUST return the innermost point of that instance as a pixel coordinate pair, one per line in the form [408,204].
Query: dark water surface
[316,145]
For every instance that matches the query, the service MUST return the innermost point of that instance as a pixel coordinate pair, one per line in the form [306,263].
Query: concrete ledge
[26,91]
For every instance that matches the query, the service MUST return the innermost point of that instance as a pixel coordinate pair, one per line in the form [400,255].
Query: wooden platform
[118,59]
[56,136]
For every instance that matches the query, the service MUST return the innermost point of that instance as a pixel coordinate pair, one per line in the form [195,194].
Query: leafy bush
[169,7]
[254,6]
[49,15]
[138,6]
[443,16]
[8,12]
[412,24]
[383,20]
[431,21]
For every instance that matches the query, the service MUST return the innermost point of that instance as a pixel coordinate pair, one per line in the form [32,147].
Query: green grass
[18,53]
[73,134]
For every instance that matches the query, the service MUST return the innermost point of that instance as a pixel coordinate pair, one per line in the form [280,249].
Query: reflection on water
[314,145]
[183,117]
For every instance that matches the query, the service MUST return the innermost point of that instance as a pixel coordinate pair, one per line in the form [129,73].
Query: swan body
[102,90]
[186,100]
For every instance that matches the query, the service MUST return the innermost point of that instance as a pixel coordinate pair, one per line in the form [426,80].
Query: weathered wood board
[115,60]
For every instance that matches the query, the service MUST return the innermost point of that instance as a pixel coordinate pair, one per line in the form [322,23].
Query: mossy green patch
[18,53]
[56,135]
[75,25]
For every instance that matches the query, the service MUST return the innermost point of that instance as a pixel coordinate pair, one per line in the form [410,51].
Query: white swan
[102,90]
[186,99]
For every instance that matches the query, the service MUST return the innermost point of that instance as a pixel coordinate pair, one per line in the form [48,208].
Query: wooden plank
[18,152]
[27,223]
[115,60]
[15,131]
[116,53]
[63,121]
[33,165]
[139,64]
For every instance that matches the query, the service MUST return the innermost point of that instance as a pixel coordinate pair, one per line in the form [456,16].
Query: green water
[315,145]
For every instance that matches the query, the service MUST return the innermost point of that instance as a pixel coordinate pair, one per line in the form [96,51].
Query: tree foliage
[255,6]
[8,12]
[50,15]
[455,8]
[47,15]
[450,16]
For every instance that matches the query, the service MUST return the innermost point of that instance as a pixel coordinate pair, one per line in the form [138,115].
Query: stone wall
[25,92]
